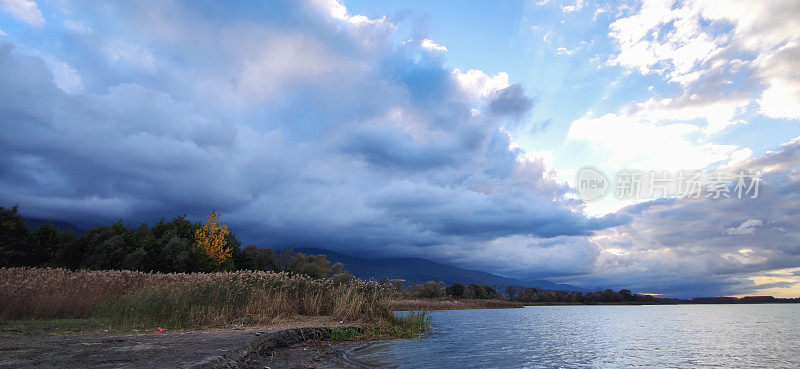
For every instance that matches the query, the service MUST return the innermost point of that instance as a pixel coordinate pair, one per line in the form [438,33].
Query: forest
[167,246]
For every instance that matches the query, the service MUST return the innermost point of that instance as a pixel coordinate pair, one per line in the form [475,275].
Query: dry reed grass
[180,300]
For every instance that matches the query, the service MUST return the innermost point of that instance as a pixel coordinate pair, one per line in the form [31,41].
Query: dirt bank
[309,354]
[200,349]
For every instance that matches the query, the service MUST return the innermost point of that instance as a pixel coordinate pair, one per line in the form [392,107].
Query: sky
[446,130]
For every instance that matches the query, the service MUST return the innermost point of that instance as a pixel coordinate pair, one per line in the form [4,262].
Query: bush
[427,290]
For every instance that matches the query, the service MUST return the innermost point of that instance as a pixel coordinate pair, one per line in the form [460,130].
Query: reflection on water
[665,336]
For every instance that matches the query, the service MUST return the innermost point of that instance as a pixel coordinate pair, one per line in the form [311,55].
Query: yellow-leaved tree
[210,239]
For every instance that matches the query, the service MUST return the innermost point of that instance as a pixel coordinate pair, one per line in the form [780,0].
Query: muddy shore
[309,354]
[243,348]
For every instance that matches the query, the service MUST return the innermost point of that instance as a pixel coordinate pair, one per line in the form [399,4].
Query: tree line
[433,289]
[539,295]
[177,245]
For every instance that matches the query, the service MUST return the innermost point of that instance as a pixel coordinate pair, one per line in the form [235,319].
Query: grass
[134,300]
[63,301]
[409,325]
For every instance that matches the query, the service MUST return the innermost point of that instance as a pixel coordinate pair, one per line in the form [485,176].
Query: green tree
[13,238]
[256,258]
[456,290]
[511,292]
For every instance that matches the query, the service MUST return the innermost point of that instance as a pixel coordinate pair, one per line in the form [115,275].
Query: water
[663,336]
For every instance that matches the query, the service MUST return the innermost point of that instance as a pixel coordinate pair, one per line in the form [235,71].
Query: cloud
[702,45]
[718,76]
[24,10]
[691,247]
[479,84]
[632,141]
[573,8]
[782,96]
[683,45]
[303,124]
[747,227]
[431,45]
[510,101]
[718,113]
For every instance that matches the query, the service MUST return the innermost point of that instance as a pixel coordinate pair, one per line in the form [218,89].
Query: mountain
[417,270]
[33,223]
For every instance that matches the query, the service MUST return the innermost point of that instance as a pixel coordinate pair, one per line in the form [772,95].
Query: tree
[428,290]
[476,291]
[45,243]
[258,259]
[511,292]
[489,292]
[13,238]
[210,240]
[456,290]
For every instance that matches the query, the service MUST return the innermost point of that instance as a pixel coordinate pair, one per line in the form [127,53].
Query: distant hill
[33,223]
[416,270]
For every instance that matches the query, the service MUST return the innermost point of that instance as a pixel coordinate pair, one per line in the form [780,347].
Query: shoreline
[285,344]
[452,304]
[317,354]
[222,348]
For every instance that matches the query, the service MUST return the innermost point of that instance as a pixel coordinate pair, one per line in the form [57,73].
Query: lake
[660,336]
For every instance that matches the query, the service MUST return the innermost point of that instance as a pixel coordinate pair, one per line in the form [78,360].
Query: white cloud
[24,10]
[758,25]
[632,143]
[689,44]
[565,51]
[682,46]
[781,99]
[433,46]
[479,84]
[599,11]
[337,10]
[779,70]
[573,8]
[718,113]
[747,227]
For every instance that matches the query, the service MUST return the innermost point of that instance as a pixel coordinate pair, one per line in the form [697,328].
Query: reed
[184,300]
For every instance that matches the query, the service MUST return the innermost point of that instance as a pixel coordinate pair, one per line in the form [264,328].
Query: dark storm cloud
[312,128]
[398,149]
